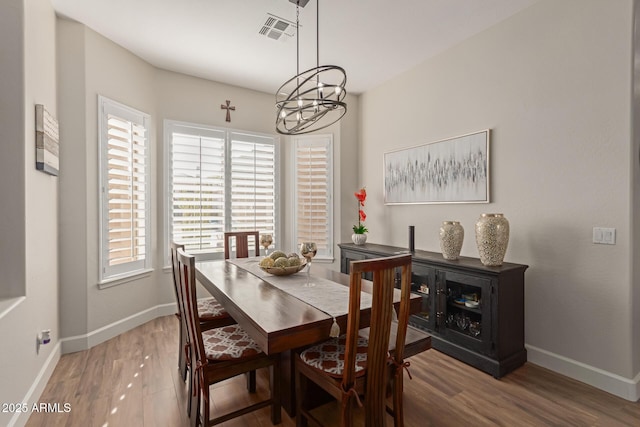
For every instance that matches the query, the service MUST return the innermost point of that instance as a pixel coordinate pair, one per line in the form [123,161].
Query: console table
[475,313]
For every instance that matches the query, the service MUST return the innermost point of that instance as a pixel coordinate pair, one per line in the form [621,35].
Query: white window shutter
[124,179]
[197,191]
[253,183]
[219,180]
[314,187]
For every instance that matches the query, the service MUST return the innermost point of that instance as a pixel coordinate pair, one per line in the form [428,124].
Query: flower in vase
[361,196]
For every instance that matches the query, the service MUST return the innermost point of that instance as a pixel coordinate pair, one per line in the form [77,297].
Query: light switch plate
[604,236]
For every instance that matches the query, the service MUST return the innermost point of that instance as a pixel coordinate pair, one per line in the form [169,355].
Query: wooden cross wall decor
[228,107]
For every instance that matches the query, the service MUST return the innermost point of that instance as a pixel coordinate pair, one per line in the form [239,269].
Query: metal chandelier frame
[313,99]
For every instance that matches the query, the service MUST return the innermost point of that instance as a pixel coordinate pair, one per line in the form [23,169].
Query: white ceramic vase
[492,238]
[451,238]
[359,239]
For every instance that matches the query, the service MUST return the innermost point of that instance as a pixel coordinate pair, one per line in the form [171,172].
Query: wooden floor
[132,380]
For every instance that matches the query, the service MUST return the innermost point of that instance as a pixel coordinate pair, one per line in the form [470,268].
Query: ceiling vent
[275,27]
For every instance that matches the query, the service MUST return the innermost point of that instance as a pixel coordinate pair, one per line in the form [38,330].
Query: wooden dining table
[277,321]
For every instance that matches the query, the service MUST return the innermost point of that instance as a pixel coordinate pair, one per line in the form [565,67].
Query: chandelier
[313,99]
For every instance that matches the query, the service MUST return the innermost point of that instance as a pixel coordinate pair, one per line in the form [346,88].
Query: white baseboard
[19,419]
[625,388]
[84,342]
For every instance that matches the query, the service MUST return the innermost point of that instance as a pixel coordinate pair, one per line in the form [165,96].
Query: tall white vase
[451,238]
[492,238]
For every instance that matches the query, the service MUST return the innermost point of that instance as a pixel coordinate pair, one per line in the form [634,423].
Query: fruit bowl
[285,271]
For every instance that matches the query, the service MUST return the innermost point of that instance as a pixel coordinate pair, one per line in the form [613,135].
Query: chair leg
[182,363]
[206,416]
[194,403]
[276,387]
[189,396]
[346,411]
[398,410]
[251,381]
[301,393]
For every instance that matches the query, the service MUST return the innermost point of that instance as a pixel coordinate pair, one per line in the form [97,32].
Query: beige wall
[31,242]
[634,158]
[12,160]
[91,65]
[553,84]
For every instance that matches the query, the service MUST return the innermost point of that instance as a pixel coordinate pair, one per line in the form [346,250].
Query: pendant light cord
[298,38]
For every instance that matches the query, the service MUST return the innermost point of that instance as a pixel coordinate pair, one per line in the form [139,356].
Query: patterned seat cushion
[228,343]
[210,308]
[329,356]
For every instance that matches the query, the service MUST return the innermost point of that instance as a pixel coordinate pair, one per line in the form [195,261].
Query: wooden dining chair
[350,367]
[222,353]
[211,314]
[242,251]
[242,243]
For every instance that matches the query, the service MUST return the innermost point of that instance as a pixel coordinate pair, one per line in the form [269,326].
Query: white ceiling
[373,40]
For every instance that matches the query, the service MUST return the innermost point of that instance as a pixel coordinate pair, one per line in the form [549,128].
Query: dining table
[281,315]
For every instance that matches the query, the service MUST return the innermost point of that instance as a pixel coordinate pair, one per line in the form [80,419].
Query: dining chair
[242,243]
[242,251]
[211,314]
[222,353]
[351,367]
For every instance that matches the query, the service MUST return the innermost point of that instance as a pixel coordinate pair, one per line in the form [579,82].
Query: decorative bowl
[285,271]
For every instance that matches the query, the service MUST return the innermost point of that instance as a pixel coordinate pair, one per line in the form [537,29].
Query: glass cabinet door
[423,283]
[347,257]
[466,310]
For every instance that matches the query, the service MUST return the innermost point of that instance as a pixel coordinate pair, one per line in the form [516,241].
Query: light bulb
[338,90]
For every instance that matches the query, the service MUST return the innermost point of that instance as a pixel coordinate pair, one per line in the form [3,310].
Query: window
[218,180]
[125,189]
[313,198]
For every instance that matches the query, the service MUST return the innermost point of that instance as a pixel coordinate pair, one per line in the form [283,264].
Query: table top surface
[276,320]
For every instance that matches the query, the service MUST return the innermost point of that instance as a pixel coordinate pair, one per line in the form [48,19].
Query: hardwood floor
[132,380]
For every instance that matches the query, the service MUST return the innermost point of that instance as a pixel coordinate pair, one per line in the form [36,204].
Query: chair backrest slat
[384,280]
[187,286]
[174,268]
[242,243]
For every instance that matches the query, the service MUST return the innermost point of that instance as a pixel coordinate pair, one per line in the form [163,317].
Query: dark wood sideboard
[489,336]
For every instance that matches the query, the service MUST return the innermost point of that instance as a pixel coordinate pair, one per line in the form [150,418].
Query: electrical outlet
[604,236]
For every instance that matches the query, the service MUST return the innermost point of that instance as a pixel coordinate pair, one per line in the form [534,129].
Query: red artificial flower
[363,216]
[361,196]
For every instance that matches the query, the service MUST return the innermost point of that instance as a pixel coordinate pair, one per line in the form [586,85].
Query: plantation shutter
[125,225]
[197,191]
[218,180]
[253,183]
[313,160]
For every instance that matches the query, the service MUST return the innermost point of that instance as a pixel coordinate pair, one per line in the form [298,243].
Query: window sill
[8,304]
[130,277]
[323,260]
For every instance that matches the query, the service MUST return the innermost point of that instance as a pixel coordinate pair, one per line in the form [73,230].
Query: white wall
[553,83]
[30,43]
